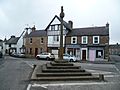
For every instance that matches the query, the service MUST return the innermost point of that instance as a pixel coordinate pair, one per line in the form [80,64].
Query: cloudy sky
[15,15]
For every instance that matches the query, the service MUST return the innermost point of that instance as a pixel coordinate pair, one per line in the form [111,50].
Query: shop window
[99,53]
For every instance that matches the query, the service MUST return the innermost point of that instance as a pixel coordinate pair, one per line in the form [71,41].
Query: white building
[14,44]
[53,32]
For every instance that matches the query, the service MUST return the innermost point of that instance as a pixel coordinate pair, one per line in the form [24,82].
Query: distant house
[14,44]
[88,43]
[114,49]
[53,33]
[35,42]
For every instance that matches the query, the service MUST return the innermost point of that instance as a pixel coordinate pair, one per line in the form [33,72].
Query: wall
[35,44]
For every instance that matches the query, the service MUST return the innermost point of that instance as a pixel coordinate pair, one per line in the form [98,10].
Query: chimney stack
[107,25]
[12,36]
[33,28]
[70,24]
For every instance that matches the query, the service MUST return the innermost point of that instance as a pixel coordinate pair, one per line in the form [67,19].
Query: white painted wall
[19,44]
[4,48]
[52,43]
[56,21]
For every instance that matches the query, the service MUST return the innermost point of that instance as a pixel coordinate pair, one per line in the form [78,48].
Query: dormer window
[55,27]
[52,27]
[95,39]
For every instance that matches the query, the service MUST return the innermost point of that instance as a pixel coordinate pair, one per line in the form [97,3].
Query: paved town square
[15,74]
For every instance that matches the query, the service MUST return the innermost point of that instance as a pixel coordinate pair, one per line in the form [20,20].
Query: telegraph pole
[61,34]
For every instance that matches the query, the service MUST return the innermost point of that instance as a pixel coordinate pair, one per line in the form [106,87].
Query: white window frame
[94,39]
[86,39]
[73,40]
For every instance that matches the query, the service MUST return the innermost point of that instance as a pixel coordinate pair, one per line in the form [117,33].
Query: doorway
[84,55]
[36,51]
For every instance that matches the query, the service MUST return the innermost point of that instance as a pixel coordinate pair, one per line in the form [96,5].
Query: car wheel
[71,60]
[38,57]
[47,58]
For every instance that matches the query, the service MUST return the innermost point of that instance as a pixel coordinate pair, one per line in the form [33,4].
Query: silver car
[69,57]
[46,55]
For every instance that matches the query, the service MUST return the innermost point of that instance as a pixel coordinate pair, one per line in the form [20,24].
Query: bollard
[101,77]
[34,66]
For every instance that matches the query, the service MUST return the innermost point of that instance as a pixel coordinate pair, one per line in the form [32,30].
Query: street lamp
[61,34]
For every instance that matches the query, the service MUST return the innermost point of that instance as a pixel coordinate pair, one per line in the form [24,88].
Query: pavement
[98,62]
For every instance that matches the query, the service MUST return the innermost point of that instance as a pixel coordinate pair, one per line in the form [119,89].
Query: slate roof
[1,40]
[89,31]
[64,23]
[114,45]
[37,33]
[12,40]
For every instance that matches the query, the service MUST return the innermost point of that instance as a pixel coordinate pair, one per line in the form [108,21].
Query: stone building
[35,42]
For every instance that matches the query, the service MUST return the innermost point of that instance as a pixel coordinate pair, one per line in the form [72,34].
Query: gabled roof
[89,31]
[37,33]
[12,40]
[64,23]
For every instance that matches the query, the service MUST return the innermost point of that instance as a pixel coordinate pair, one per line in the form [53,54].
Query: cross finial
[62,13]
[61,8]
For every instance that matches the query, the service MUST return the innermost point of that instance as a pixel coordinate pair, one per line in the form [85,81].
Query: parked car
[1,54]
[46,55]
[19,55]
[14,55]
[69,57]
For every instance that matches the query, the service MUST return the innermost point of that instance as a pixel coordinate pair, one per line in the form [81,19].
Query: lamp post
[61,34]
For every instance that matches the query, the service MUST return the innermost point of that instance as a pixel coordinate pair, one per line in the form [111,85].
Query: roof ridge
[90,27]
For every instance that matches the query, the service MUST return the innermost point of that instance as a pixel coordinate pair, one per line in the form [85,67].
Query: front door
[84,55]
[36,51]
